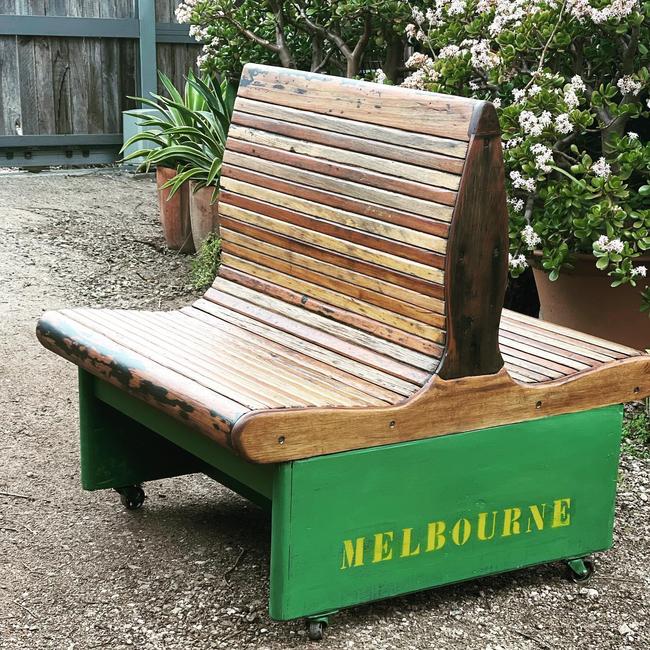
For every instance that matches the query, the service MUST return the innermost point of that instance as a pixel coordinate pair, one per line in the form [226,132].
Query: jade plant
[570,81]
[187,132]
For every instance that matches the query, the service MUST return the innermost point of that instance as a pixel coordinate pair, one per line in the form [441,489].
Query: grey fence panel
[67,67]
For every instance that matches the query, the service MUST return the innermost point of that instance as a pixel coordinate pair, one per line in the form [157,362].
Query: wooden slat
[571,346]
[395,335]
[320,375]
[237,316]
[568,335]
[311,290]
[373,271]
[459,405]
[352,291]
[184,399]
[408,188]
[343,232]
[442,115]
[351,162]
[543,363]
[407,296]
[400,358]
[374,134]
[285,224]
[253,377]
[381,213]
[397,235]
[339,186]
[539,372]
[378,150]
[227,386]
[291,377]
[577,361]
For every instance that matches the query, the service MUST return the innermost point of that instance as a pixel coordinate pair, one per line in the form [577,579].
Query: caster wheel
[581,570]
[131,496]
[315,630]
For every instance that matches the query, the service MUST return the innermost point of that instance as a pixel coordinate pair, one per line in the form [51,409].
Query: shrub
[206,263]
[570,81]
[334,36]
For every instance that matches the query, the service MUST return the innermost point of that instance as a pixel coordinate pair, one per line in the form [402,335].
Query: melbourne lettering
[483,527]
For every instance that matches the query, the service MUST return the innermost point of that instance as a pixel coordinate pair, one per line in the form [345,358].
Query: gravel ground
[190,570]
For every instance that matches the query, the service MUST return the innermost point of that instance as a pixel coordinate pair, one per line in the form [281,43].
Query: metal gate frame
[88,148]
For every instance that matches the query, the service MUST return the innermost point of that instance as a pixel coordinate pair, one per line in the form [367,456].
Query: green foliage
[206,263]
[190,129]
[571,82]
[636,432]
[344,37]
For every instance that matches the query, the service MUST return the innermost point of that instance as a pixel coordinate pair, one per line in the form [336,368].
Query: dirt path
[189,570]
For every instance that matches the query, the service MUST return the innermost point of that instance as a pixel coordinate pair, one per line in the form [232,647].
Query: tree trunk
[394,58]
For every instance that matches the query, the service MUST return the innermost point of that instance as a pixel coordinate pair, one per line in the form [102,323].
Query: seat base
[363,525]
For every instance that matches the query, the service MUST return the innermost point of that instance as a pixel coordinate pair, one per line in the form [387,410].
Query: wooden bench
[355,323]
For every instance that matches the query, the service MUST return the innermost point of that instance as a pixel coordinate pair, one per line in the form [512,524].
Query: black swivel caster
[131,496]
[581,569]
[316,627]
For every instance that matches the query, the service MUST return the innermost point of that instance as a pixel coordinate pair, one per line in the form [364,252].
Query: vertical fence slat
[9,86]
[66,85]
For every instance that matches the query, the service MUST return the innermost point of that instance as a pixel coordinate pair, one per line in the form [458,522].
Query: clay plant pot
[203,214]
[175,213]
[583,299]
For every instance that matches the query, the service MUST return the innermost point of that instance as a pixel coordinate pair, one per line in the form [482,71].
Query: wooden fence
[78,84]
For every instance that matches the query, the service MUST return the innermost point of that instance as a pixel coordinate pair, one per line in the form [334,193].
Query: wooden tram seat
[364,263]
[359,304]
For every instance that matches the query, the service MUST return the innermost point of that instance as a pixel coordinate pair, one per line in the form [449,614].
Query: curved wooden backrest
[379,207]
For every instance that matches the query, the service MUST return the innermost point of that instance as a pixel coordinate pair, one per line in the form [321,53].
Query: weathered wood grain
[339,186]
[349,159]
[477,260]
[442,407]
[349,204]
[289,157]
[377,149]
[441,115]
[376,271]
[288,224]
[374,133]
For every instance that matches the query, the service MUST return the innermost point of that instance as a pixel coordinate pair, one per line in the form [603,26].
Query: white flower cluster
[543,156]
[517,204]
[379,76]
[517,262]
[639,270]
[424,72]
[601,168]
[450,51]
[522,183]
[509,13]
[482,57]
[629,86]
[632,135]
[615,12]
[184,11]
[512,143]
[533,125]
[530,237]
[610,246]
[199,33]
[563,124]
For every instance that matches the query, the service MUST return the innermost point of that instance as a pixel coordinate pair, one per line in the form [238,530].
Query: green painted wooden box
[362,525]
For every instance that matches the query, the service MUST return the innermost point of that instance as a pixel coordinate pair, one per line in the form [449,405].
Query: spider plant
[189,129]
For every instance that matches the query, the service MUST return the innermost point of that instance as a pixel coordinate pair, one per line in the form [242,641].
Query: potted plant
[188,133]
[570,82]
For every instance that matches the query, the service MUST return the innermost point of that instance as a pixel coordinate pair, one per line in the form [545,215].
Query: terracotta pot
[203,214]
[174,213]
[583,299]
